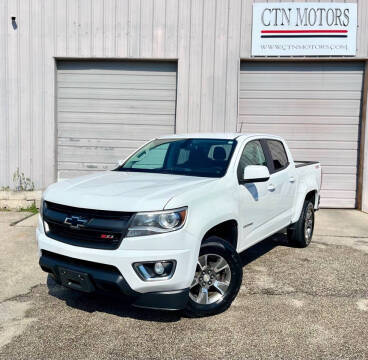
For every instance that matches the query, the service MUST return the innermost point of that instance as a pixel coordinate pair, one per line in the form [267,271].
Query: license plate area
[76,280]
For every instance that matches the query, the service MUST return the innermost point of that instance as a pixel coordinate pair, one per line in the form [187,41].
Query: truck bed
[309,172]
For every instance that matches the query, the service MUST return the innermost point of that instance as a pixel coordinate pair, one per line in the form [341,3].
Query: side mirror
[255,173]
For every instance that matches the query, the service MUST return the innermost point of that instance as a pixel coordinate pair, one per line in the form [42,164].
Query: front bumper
[180,246]
[107,279]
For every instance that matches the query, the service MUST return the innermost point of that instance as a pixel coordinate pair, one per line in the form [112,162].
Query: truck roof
[229,136]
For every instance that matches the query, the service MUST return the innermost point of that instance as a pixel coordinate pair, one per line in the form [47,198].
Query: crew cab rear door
[282,183]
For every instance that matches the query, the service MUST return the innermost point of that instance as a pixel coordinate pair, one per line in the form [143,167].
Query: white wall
[207,36]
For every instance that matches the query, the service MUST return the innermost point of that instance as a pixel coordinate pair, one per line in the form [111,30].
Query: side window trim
[268,155]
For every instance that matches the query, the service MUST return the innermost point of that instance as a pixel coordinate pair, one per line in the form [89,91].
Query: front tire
[217,278]
[300,234]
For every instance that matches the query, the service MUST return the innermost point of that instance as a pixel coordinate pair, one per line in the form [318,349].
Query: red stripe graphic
[304,31]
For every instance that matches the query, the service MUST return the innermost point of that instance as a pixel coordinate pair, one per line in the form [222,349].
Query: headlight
[158,222]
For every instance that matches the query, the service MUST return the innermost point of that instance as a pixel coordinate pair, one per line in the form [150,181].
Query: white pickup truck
[167,225]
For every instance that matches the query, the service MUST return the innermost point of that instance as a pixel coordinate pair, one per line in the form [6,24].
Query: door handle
[292,179]
[271,187]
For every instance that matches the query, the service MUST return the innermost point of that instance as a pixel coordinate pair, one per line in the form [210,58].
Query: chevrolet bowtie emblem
[75,222]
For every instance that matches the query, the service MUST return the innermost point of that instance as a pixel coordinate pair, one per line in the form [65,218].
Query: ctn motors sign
[304,29]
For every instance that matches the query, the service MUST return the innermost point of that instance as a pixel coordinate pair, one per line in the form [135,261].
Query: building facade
[84,82]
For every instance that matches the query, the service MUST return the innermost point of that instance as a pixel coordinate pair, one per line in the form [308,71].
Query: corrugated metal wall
[316,108]
[208,37]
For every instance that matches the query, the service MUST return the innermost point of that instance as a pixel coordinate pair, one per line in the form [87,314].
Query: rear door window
[278,155]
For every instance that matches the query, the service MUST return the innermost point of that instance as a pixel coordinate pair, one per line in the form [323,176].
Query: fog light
[159,268]
[155,270]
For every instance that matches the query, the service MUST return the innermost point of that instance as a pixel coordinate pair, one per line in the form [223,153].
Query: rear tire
[217,280]
[300,234]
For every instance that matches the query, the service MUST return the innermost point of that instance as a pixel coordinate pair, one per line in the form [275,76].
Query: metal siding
[171,29]
[72,28]
[195,56]
[122,22]
[182,102]
[147,30]
[134,28]
[233,63]
[220,65]
[109,28]
[85,7]
[4,157]
[97,30]
[12,92]
[106,109]
[207,37]
[207,64]
[60,21]
[316,128]
[49,163]
[37,111]
[24,90]
[159,28]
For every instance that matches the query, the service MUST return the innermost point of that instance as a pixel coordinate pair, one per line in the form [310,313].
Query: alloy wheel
[212,279]
[309,223]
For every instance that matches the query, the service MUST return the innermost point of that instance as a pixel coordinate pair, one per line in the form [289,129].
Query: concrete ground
[293,304]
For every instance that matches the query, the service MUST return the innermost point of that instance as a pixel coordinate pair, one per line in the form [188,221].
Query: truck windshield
[192,157]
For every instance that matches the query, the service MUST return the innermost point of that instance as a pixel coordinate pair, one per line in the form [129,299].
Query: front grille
[99,229]
[84,236]
[104,214]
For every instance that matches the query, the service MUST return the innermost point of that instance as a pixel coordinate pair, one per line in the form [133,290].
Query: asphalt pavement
[293,304]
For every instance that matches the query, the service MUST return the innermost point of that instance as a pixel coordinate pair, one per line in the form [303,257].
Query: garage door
[316,107]
[106,109]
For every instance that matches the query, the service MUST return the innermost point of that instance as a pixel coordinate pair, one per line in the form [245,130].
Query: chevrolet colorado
[167,225]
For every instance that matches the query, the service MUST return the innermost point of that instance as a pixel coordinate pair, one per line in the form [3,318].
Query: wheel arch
[227,230]
[309,194]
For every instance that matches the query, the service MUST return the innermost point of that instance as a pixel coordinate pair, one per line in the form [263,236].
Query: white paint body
[210,202]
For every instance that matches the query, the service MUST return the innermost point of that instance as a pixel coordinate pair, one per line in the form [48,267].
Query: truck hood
[122,191]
